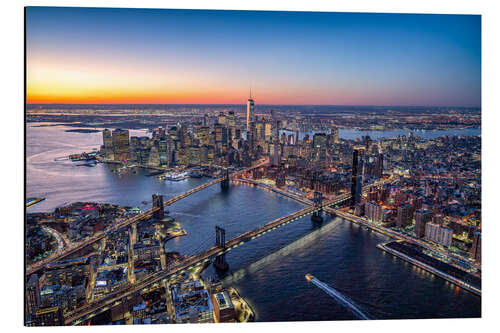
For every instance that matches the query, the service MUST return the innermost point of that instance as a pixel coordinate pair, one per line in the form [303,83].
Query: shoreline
[413,261]
[249,311]
[430,269]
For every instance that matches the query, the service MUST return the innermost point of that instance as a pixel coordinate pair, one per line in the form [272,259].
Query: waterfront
[271,280]
[353,134]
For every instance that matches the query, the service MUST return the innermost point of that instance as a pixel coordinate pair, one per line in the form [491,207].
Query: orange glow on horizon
[123,98]
[75,79]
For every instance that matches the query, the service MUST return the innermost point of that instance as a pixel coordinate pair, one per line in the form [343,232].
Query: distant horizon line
[243,104]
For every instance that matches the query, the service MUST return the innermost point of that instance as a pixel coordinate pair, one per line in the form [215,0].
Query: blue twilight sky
[78,55]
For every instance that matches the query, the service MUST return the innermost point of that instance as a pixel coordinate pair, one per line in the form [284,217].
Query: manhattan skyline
[142,56]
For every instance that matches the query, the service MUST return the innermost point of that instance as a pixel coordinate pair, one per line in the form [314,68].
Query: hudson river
[268,272]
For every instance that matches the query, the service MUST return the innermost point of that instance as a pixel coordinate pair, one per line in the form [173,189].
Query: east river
[268,272]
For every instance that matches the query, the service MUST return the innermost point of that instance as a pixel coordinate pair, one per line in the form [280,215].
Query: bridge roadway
[276,190]
[192,191]
[95,238]
[210,183]
[115,297]
[36,267]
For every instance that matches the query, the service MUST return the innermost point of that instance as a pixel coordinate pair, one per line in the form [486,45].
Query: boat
[309,277]
[82,157]
[176,176]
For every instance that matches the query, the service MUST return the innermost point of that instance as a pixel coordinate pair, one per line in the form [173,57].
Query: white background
[12,157]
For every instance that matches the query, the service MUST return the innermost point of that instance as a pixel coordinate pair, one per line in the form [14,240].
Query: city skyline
[124,56]
[154,195]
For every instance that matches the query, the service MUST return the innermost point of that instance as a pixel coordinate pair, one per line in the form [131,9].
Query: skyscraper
[335,134]
[357,175]
[121,144]
[107,144]
[319,145]
[231,120]
[379,165]
[222,119]
[250,111]
[268,131]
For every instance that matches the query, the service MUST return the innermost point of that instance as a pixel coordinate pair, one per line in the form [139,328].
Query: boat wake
[339,297]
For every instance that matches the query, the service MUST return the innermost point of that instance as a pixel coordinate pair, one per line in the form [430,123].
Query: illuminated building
[192,303]
[359,209]
[139,310]
[268,131]
[145,251]
[250,111]
[379,165]
[184,136]
[231,120]
[204,135]
[121,145]
[158,133]
[319,146]
[164,152]
[223,307]
[222,118]
[404,216]
[32,294]
[195,155]
[373,211]
[154,156]
[438,234]
[259,129]
[69,272]
[107,144]
[475,250]
[134,147]
[251,135]
[173,133]
[237,133]
[334,131]
[51,316]
[357,175]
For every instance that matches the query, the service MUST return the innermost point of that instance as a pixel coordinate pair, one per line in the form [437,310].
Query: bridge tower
[158,202]
[131,264]
[318,200]
[220,241]
[163,257]
[133,233]
[224,184]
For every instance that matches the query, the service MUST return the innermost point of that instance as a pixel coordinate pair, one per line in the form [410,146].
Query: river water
[268,272]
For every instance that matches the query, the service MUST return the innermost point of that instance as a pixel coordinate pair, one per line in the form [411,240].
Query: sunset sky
[89,55]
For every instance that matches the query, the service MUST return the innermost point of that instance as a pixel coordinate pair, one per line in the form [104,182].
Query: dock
[458,282]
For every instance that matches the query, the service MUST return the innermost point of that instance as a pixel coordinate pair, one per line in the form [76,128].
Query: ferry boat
[83,156]
[176,176]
